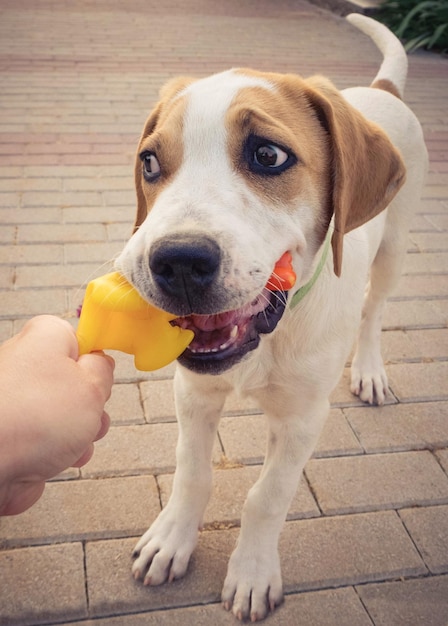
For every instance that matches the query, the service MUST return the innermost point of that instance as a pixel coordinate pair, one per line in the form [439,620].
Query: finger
[86,456]
[49,330]
[105,423]
[99,370]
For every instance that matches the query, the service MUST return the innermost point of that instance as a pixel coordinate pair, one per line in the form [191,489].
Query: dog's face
[232,171]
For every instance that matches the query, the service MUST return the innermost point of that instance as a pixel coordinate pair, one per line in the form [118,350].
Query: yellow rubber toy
[115,317]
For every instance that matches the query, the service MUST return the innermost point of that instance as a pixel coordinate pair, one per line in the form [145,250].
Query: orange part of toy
[115,317]
[283,277]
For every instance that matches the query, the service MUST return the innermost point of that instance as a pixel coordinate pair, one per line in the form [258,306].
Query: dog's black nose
[184,266]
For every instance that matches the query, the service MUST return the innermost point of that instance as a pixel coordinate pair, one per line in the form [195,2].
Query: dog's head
[232,171]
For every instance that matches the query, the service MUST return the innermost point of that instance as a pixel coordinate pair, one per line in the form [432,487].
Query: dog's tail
[393,71]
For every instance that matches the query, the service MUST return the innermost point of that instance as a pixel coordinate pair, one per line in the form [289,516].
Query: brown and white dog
[232,171]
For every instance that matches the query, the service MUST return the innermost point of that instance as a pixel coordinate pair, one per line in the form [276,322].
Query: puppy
[233,171]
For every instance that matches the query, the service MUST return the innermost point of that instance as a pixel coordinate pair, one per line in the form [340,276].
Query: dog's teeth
[234,332]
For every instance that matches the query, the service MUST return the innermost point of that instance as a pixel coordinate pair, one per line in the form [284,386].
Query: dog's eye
[265,157]
[151,166]
[270,156]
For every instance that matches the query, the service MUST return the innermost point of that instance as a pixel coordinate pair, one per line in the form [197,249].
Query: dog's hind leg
[368,376]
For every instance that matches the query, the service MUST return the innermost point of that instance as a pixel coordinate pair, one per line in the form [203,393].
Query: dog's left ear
[367,170]
[167,94]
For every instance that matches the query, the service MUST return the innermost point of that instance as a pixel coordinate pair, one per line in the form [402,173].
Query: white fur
[290,379]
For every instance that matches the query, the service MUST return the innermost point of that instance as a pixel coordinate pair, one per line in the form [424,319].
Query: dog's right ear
[367,170]
[168,93]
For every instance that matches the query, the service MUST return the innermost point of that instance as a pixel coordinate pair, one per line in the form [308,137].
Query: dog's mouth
[221,340]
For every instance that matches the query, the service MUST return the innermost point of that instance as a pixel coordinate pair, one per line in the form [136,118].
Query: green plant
[418,23]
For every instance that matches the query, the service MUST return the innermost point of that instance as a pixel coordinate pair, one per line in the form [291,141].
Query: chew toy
[283,277]
[115,317]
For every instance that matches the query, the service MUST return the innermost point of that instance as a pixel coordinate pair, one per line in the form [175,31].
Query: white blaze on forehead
[208,102]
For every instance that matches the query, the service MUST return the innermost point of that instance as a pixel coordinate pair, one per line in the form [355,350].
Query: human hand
[51,408]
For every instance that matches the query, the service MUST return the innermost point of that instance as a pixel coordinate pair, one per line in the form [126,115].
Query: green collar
[303,291]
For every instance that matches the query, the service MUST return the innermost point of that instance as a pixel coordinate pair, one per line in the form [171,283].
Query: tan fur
[162,134]
[386,85]
[283,117]
[335,146]
[358,146]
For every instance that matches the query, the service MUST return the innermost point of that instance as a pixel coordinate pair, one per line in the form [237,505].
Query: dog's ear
[167,94]
[367,170]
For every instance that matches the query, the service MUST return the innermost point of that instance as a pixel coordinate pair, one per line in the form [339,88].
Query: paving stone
[31,254]
[419,381]
[158,401]
[337,437]
[415,314]
[426,263]
[113,590]
[98,252]
[51,233]
[415,345]
[428,286]
[407,602]
[442,456]
[29,302]
[428,528]
[42,584]
[315,608]
[230,489]
[401,426]
[124,406]
[136,449]
[85,509]
[380,481]
[244,437]
[56,275]
[345,550]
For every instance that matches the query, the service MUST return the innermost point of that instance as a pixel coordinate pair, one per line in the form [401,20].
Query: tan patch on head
[345,162]
[162,135]
[282,116]
[386,85]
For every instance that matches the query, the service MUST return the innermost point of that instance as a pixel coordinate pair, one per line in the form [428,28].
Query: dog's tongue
[221,320]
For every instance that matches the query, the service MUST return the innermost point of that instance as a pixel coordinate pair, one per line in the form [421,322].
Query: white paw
[369,379]
[253,585]
[163,552]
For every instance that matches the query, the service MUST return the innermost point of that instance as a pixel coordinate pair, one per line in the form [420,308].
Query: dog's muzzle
[185,269]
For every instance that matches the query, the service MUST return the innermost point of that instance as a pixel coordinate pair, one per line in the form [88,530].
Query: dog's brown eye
[270,156]
[151,166]
[267,158]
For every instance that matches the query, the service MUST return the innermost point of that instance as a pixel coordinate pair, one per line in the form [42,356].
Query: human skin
[51,408]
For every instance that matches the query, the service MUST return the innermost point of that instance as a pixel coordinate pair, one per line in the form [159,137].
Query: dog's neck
[306,288]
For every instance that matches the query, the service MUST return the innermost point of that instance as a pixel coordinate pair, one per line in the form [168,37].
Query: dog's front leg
[253,585]
[164,550]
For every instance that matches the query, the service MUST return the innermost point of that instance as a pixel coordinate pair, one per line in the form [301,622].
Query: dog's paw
[369,379]
[253,585]
[164,551]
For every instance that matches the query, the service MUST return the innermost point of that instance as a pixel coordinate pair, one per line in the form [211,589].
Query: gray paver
[346,550]
[407,603]
[428,528]
[40,584]
[380,481]
[401,426]
[86,509]
[318,608]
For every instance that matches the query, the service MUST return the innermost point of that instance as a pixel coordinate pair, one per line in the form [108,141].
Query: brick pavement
[366,540]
